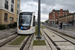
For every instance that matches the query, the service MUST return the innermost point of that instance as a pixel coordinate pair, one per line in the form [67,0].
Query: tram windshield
[25,20]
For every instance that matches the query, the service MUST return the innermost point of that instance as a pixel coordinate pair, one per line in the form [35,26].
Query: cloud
[44,17]
[47,6]
[29,6]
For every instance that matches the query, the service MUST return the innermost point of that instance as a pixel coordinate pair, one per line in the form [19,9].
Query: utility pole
[38,36]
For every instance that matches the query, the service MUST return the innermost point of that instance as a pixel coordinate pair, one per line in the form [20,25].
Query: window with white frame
[5,17]
[17,12]
[18,0]
[6,4]
[59,13]
[12,8]
[17,5]
[12,1]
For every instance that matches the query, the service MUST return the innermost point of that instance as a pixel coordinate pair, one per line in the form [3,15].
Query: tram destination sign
[26,13]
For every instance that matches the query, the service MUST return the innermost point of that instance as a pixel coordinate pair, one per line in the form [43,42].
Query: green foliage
[42,27]
[18,41]
[11,26]
[39,42]
[42,22]
[15,24]
[2,27]
[36,33]
[46,21]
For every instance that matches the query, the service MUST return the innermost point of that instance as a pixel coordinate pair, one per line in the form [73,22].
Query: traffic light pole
[38,36]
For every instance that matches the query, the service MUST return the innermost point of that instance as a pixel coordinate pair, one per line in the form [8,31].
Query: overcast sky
[47,6]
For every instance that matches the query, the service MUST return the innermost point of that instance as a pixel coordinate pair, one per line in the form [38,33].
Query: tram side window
[34,21]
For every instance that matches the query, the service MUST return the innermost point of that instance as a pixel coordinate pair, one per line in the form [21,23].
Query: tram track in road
[7,34]
[7,40]
[54,42]
[27,43]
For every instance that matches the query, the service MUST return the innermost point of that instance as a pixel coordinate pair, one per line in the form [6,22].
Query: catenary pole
[38,19]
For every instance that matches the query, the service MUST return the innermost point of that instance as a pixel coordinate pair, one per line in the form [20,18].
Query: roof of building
[59,10]
[67,15]
[62,16]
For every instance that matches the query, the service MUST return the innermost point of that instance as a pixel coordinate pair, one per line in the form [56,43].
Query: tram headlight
[19,28]
[30,26]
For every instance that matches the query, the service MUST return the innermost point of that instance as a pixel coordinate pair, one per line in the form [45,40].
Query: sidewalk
[69,33]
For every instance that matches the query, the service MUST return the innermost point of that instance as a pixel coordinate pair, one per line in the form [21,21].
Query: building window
[12,1]
[5,17]
[17,12]
[6,4]
[63,13]
[11,18]
[59,13]
[18,0]
[12,8]
[17,5]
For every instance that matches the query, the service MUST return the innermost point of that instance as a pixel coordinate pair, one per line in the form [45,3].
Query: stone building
[9,11]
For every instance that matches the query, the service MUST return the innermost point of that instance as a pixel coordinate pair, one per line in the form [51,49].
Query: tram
[26,23]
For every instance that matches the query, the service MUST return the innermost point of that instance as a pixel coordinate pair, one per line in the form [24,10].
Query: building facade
[9,11]
[68,19]
[55,14]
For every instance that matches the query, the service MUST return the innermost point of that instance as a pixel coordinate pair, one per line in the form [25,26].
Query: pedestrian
[56,25]
[61,25]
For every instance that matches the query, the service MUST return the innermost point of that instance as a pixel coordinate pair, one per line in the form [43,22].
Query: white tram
[26,23]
